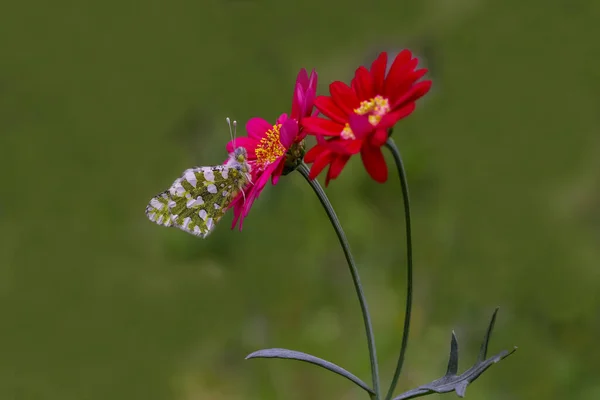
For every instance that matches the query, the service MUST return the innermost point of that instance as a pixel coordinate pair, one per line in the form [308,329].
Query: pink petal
[360,125]
[302,79]
[246,142]
[278,171]
[281,119]
[312,82]
[298,102]
[256,127]
[288,132]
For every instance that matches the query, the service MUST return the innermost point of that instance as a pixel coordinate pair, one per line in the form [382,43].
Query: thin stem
[353,271]
[404,184]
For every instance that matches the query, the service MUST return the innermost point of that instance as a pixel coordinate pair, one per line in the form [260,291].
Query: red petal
[320,163]
[363,84]
[341,146]
[390,119]
[330,109]
[399,65]
[337,165]
[374,163]
[344,96]
[413,94]
[321,126]
[379,138]
[314,152]
[378,72]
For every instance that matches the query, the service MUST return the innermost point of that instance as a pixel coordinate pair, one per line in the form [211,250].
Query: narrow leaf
[297,355]
[453,361]
[458,383]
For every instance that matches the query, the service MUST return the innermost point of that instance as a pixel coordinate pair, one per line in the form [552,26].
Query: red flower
[360,115]
[267,144]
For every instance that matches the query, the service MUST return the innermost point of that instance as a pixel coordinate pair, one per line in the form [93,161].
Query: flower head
[360,115]
[274,149]
[267,145]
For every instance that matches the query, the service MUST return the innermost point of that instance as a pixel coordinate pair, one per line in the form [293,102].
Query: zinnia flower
[360,115]
[270,147]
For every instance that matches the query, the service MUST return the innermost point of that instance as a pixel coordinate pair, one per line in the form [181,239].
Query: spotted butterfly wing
[197,200]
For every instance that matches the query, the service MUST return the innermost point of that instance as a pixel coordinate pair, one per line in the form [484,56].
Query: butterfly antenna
[232,131]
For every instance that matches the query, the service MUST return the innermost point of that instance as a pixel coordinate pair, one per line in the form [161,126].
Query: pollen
[377,107]
[269,148]
[347,133]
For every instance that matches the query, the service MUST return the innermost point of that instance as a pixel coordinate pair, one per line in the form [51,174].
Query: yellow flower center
[347,132]
[269,148]
[377,107]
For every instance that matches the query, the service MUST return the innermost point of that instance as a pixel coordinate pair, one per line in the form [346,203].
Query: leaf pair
[448,383]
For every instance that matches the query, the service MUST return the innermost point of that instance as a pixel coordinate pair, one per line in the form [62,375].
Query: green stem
[404,184]
[353,271]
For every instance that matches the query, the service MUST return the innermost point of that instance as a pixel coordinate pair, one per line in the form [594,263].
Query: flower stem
[390,144]
[353,271]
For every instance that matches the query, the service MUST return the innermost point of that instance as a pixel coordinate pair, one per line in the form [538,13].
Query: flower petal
[390,119]
[256,127]
[302,79]
[344,97]
[246,142]
[379,138]
[378,72]
[330,109]
[255,191]
[413,94]
[341,146]
[321,126]
[288,132]
[314,152]
[312,81]
[398,68]
[323,160]
[281,119]
[278,171]
[374,163]
[360,125]
[336,167]
[362,84]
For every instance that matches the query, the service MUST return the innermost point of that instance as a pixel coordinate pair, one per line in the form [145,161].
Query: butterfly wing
[198,199]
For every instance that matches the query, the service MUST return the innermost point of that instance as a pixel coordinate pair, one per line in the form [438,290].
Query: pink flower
[269,146]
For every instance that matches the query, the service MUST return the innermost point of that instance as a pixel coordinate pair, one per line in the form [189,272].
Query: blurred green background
[103,104]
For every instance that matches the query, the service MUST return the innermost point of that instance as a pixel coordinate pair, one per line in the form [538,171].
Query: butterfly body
[197,200]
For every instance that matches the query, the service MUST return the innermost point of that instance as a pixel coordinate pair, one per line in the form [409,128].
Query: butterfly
[198,199]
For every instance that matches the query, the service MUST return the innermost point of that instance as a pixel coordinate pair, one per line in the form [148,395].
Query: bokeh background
[104,103]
